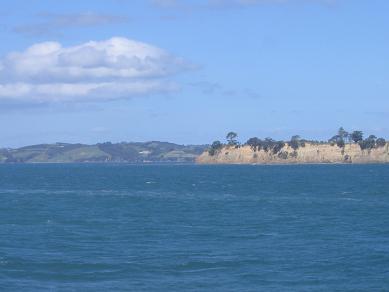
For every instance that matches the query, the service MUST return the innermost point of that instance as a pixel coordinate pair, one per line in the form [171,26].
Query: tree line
[270,145]
[343,137]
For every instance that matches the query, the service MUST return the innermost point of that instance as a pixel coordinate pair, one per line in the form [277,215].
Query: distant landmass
[344,147]
[309,153]
[132,152]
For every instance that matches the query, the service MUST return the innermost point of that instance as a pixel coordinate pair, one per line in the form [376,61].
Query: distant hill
[135,152]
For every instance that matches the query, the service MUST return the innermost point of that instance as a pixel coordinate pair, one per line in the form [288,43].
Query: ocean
[118,227]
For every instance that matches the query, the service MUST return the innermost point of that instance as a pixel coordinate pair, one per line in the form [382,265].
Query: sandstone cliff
[311,153]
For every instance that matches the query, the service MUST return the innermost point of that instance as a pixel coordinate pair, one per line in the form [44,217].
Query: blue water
[194,228]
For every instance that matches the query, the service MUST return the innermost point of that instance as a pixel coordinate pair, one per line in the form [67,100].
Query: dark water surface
[194,228]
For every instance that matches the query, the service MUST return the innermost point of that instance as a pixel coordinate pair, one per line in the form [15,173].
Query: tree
[215,148]
[294,142]
[254,143]
[380,142]
[268,144]
[343,134]
[231,138]
[338,139]
[368,143]
[357,136]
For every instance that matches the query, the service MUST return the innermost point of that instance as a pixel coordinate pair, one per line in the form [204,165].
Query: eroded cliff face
[311,153]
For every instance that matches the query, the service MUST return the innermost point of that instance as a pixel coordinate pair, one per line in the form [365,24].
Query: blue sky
[189,71]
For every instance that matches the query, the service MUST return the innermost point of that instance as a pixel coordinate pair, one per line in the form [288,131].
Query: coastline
[309,154]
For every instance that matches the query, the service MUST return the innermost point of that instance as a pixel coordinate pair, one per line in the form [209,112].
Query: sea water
[116,227]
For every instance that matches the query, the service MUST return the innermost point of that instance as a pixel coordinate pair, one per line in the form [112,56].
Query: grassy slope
[106,152]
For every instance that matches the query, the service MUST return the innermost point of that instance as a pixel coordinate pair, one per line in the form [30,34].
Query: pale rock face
[311,153]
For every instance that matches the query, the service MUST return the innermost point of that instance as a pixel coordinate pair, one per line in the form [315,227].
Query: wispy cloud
[116,68]
[214,4]
[54,24]
[211,88]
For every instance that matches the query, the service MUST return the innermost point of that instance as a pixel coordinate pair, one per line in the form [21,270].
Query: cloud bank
[116,68]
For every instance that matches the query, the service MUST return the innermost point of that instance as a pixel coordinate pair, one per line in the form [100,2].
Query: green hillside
[135,152]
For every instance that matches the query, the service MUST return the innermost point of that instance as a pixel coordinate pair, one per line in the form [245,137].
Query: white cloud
[105,70]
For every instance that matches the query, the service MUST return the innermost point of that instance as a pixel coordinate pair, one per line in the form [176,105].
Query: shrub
[380,142]
[340,143]
[268,144]
[215,148]
[278,146]
[283,155]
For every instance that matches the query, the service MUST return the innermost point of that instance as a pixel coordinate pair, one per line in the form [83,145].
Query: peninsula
[344,147]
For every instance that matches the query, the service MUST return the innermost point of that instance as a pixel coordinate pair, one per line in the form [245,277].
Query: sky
[190,71]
